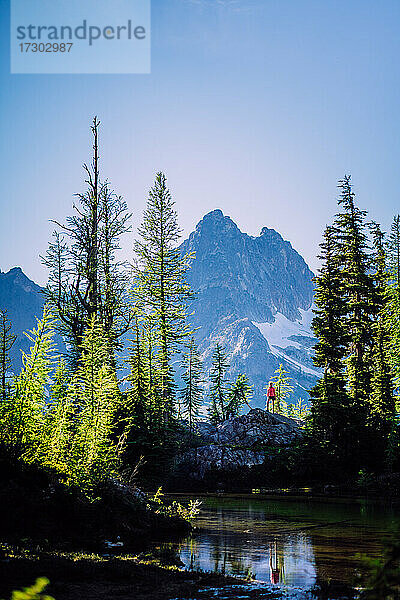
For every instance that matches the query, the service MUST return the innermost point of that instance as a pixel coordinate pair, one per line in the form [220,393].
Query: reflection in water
[286,542]
[284,559]
[276,564]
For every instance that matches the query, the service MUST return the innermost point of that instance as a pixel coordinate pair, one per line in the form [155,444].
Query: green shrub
[34,592]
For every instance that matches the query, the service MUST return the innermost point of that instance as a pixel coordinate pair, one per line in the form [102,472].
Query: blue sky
[256,107]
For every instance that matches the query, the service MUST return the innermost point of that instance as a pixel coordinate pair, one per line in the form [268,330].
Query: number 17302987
[45,47]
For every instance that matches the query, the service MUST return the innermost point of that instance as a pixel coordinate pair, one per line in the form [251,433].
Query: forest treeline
[89,414]
[353,423]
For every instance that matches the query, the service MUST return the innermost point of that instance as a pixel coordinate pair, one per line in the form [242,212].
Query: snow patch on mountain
[281,329]
[284,335]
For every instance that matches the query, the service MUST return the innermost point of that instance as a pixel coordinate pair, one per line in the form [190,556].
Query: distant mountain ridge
[23,300]
[253,295]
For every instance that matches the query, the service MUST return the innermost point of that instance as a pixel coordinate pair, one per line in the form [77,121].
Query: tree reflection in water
[286,542]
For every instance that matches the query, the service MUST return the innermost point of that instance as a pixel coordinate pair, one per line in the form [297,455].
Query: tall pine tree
[161,284]
[360,310]
[353,407]
[192,392]
[392,308]
[329,411]
[382,404]
[86,279]
[219,385]
[359,290]
[239,394]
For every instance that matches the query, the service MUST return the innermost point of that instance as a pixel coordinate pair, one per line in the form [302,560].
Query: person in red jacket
[271,396]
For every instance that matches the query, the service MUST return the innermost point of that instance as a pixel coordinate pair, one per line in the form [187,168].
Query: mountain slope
[254,296]
[23,301]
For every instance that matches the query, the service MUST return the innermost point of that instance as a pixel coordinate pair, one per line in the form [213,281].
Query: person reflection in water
[275,565]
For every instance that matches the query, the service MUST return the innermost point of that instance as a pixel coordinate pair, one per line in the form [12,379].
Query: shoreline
[76,576]
[297,494]
[100,577]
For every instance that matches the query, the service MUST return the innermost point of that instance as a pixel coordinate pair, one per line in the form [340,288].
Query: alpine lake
[285,546]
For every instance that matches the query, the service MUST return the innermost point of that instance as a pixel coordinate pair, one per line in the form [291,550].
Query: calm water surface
[287,542]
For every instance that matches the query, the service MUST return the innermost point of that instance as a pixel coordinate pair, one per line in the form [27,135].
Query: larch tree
[239,394]
[140,392]
[392,308]
[219,385]
[7,341]
[283,386]
[86,279]
[22,423]
[59,423]
[192,392]
[160,273]
[94,453]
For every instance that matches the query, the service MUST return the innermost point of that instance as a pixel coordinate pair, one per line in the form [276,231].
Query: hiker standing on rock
[271,396]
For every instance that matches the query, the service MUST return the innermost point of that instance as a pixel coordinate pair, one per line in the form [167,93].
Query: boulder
[257,427]
[212,457]
[237,443]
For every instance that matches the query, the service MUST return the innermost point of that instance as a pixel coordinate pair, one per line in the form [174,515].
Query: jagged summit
[214,222]
[16,276]
[242,283]
[13,272]
[254,278]
[215,214]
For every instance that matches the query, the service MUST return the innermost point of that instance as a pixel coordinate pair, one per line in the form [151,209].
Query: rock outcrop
[239,442]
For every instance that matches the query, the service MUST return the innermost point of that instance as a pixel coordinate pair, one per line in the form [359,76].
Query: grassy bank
[94,577]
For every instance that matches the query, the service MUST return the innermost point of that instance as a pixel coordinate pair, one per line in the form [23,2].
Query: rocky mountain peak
[212,227]
[243,284]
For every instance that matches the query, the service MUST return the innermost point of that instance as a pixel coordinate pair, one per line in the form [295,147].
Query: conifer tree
[352,402]
[22,424]
[359,297]
[219,385]
[85,277]
[329,397]
[149,434]
[54,450]
[94,454]
[61,381]
[239,394]
[392,307]
[153,374]
[358,285]
[7,340]
[330,308]
[282,385]
[161,284]
[382,405]
[192,392]
[139,392]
